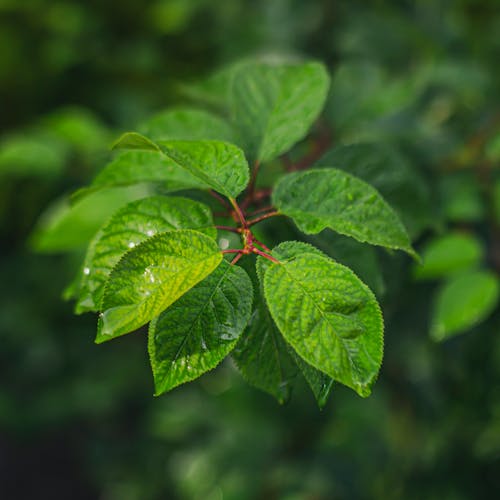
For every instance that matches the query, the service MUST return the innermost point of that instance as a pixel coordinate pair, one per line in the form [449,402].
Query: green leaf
[361,258]
[153,275]
[32,155]
[329,198]
[320,383]
[262,356]
[392,175]
[64,226]
[283,251]
[275,105]
[135,167]
[221,165]
[133,140]
[448,255]
[187,124]
[330,318]
[200,329]
[130,226]
[463,302]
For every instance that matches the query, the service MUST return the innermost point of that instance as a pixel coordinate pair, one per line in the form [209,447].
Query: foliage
[411,111]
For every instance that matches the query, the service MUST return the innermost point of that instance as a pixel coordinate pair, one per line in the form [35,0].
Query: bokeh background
[78,420]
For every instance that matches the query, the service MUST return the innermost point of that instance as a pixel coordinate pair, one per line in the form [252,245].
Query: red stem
[265,255]
[238,212]
[257,242]
[237,258]
[262,217]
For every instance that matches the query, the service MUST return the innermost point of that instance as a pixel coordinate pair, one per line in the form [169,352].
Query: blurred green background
[79,421]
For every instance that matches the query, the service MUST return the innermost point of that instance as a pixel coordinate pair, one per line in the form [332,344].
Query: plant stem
[238,212]
[237,258]
[263,217]
[265,255]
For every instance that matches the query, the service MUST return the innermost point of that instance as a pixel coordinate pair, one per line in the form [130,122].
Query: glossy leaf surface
[137,167]
[275,105]
[329,198]
[200,329]
[330,318]
[220,165]
[153,275]
[130,226]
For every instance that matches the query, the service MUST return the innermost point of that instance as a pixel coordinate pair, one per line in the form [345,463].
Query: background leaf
[462,302]
[449,254]
[64,226]
[187,124]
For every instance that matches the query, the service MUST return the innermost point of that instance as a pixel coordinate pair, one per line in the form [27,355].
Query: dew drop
[223,243]
[150,232]
[131,244]
[86,271]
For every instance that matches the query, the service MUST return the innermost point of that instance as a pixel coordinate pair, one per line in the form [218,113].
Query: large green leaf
[274,106]
[153,275]
[262,356]
[137,167]
[221,165]
[330,318]
[464,301]
[392,175]
[128,227]
[329,198]
[449,254]
[187,124]
[200,329]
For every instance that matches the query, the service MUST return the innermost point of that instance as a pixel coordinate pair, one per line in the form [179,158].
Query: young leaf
[221,165]
[187,124]
[152,276]
[329,198]
[133,140]
[275,105]
[448,255]
[136,167]
[200,329]
[262,356]
[130,226]
[330,318]
[463,302]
